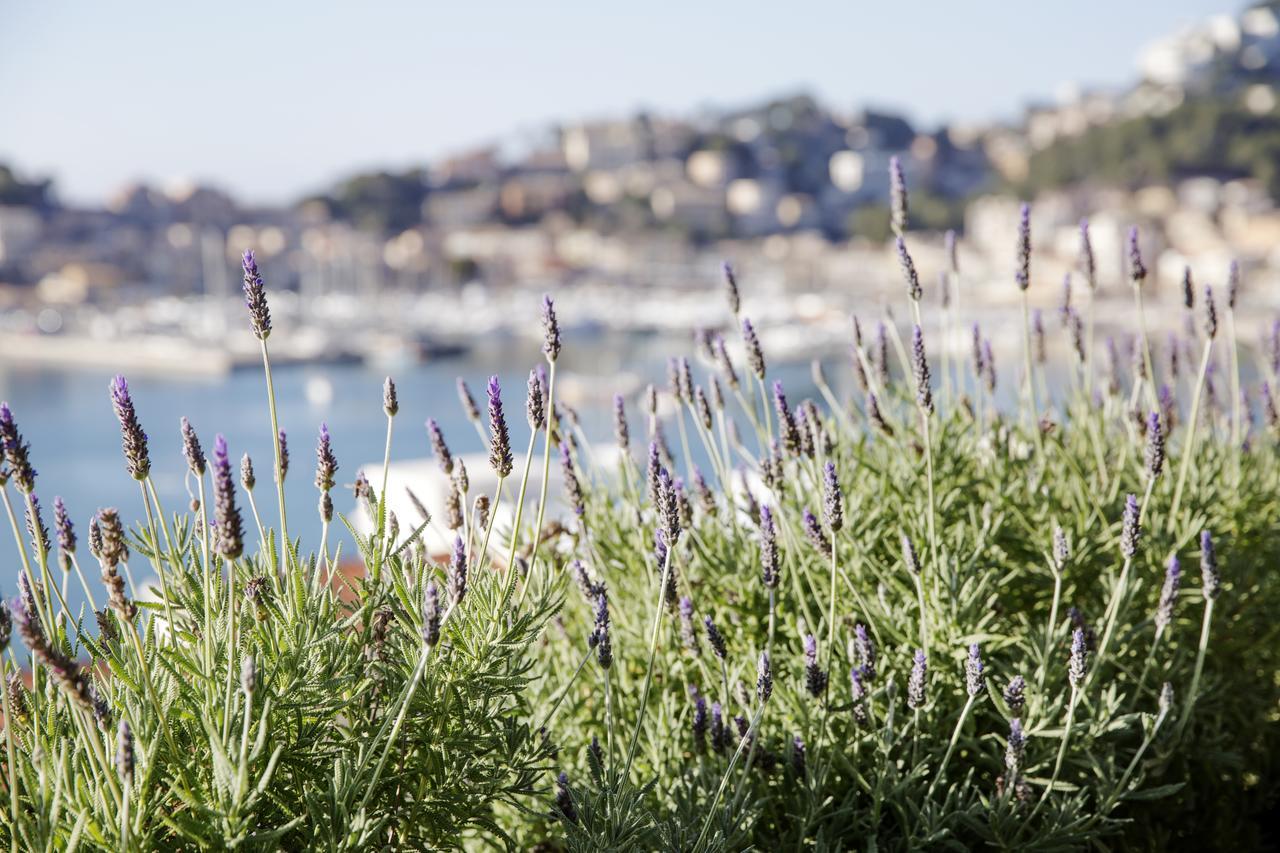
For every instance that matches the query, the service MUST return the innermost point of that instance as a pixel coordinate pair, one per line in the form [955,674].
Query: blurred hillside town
[634,216]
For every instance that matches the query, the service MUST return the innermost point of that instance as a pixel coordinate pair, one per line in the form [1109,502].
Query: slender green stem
[1192,692]
[1062,748]
[653,652]
[951,745]
[275,446]
[1189,447]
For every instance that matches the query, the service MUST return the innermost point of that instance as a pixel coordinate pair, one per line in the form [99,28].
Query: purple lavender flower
[137,459]
[688,635]
[973,680]
[283,441]
[247,478]
[786,420]
[1023,274]
[920,366]
[604,641]
[112,548]
[458,571]
[621,432]
[17,453]
[1086,262]
[468,402]
[989,366]
[1188,289]
[499,439]
[714,638]
[36,527]
[572,488]
[1061,549]
[1169,593]
[1233,284]
[438,446]
[815,679]
[1137,271]
[1210,579]
[699,724]
[909,272]
[390,401]
[255,297]
[898,207]
[864,650]
[1155,446]
[230,527]
[191,450]
[832,499]
[564,799]
[66,532]
[668,509]
[535,406]
[1079,656]
[1037,335]
[431,615]
[731,288]
[719,734]
[1210,314]
[769,562]
[326,462]
[909,556]
[813,530]
[755,356]
[124,753]
[858,692]
[1015,695]
[68,674]
[1130,531]
[550,330]
[881,353]
[1016,746]
[916,681]
[764,678]
[1064,309]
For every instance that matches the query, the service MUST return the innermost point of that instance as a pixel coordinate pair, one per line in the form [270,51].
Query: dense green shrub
[921,618]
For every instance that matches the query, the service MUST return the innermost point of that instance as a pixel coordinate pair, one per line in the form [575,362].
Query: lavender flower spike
[282,440]
[764,678]
[832,499]
[920,365]
[731,288]
[468,402]
[714,638]
[1015,749]
[755,356]
[326,462]
[550,330]
[786,420]
[1088,266]
[17,453]
[916,681]
[1169,593]
[499,439]
[1137,271]
[1210,314]
[973,671]
[621,432]
[914,290]
[1023,274]
[1233,284]
[390,402]
[768,549]
[814,533]
[191,449]
[1015,695]
[535,406]
[1130,532]
[815,680]
[226,515]
[439,447]
[899,208]
[1210,579]
[1155,446]
[1079,654]
[137,459]
[458,571]
[66,533]
[255,297]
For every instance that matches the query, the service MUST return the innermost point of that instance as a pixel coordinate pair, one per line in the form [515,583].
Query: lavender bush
[911,620]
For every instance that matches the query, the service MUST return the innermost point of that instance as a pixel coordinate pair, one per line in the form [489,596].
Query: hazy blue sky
[276,97]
